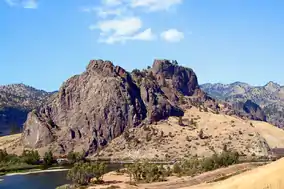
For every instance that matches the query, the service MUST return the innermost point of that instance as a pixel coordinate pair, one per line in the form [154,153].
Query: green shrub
[193,166]
[143,171]
[82,173]
[31,157]
[148,137]
[48,159]
[3,155]
[74,157]
[201,134]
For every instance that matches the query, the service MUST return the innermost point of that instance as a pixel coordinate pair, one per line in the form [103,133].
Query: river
[46,180]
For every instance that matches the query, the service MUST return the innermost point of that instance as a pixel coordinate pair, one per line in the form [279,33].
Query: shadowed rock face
[181,79]
[251,108]
[93,108]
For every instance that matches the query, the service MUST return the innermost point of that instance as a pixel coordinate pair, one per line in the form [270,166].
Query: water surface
[47,180]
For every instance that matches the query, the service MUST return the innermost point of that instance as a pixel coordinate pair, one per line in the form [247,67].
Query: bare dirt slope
[202,134]
[266,177]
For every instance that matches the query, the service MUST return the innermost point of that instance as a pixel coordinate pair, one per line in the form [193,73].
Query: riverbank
[35,171]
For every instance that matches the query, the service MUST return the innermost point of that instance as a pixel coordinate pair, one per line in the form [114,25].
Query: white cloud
[124,26]
[112,2]
[27,4]
[121,20]
[155,5]
[122,30]
[172,35]
[146,35]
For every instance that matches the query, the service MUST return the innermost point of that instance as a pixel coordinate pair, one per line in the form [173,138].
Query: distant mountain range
[16,101]
[269,97]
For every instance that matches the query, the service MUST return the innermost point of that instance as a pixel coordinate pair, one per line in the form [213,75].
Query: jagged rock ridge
[269,97]
[97,106]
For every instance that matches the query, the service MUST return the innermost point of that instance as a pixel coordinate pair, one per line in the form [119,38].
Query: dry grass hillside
[9,141]
[266,177]
[202,134]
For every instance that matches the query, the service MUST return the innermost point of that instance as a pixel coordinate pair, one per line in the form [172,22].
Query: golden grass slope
[273,135]
[9,141]
[168,140]
[266,177]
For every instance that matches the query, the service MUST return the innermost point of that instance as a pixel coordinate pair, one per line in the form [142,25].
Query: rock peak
[106,68]
[272,86]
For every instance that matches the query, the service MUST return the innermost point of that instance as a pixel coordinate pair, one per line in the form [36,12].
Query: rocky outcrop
[93,108]
[99,105]
[180,78]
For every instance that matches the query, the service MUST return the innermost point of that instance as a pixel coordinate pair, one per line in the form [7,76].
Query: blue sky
[44,42]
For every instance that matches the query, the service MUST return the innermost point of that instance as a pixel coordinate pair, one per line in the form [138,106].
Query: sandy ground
[113,179]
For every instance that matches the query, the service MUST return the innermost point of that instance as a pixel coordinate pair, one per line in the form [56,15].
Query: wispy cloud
[11,2]
[155,5]
[146,35]
[172,35]
[27,4]
[121,20]
[30,4]
[112,2]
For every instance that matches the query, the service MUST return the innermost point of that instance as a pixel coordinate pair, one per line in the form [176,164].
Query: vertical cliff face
[182,79]
[93,108]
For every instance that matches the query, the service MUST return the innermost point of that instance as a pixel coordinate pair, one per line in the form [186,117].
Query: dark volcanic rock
[95,107]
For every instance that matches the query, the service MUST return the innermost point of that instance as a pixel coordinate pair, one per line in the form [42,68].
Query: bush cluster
[195,166]
[74,157]
[82,173]
[144,171]
[28,156]
[31,157]
[27,160]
